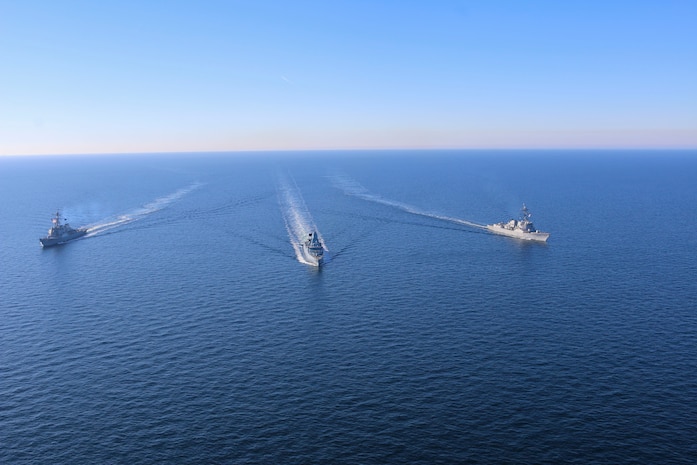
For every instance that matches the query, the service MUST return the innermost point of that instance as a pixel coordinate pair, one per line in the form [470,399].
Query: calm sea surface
[186,329]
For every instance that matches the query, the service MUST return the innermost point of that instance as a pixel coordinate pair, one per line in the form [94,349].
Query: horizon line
[358,150]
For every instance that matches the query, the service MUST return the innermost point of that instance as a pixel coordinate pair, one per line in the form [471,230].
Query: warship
[520,229]
[61,233]
[312,249]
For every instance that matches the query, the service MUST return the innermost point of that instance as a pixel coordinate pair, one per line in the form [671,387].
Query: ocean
[186,327]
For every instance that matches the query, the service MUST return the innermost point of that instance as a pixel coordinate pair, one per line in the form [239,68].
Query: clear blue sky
[148,76]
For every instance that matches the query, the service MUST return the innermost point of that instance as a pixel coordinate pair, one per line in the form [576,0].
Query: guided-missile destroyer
[61,233]
[312,249]
[520,229]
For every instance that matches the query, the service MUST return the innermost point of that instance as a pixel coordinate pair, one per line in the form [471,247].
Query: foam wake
[158,204]
[297,218]
[354,188]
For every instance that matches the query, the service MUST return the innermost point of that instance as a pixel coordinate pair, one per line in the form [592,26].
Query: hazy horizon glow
[175,76]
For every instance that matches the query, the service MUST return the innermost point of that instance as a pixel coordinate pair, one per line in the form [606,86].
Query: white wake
[138,213]
[354,188]
[297,218]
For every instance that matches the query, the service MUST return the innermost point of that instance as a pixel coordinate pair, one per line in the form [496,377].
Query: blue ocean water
[186,329]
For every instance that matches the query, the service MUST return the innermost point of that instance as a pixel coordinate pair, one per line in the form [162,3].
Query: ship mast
[525,214]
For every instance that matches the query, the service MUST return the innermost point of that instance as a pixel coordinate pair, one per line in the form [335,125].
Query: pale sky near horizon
[176,76]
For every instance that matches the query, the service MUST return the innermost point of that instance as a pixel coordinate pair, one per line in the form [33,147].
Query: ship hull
[53,241]
[517,234]
[310,258]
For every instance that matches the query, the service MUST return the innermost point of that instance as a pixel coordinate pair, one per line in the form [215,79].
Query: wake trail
[156,205]
[355,189]
[296,215]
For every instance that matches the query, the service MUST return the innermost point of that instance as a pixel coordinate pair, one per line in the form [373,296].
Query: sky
[185,76]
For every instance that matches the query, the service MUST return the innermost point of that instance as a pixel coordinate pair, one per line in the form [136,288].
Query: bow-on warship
[313,250]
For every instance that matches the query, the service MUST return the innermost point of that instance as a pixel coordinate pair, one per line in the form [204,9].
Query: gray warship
[61,233]
[520,229]
[313,251]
